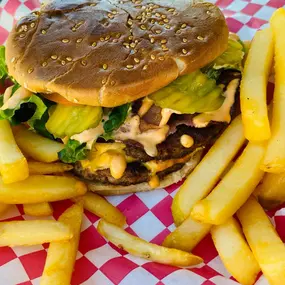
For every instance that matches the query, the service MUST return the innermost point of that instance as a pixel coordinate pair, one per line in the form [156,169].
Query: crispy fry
[103,209]
[263,240]
[36,167]
[13,164]
[17,233]
[38,147]
[61,255]
[270,192]
[41,188]
[204,177]
[3,208]
[38,210]
[274,160]
[253,87]
[187,235]
[139,247]
[235,252]
[233,191]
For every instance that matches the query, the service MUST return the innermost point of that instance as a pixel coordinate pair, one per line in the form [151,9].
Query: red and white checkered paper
[148,214]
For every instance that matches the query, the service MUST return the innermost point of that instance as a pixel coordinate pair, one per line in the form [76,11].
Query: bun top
[110,52]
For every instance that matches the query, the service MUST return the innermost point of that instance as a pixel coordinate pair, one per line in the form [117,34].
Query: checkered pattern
[148,214]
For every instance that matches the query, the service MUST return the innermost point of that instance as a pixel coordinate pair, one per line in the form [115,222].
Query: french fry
[187,235]
[204,177]
[13,164]
[103,209]
[253,94]
[3,208]
[235,252]
[61,255]
[263,240]
[18,233]
[41,188]
[274,159]
[38,147]
[38,210]
[141,248]
[234,189]
[36,167]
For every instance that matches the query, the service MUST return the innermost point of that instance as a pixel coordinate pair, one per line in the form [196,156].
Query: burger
[136,90]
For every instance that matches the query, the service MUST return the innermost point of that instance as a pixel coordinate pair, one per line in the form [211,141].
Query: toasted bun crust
[168,180]
[110,52]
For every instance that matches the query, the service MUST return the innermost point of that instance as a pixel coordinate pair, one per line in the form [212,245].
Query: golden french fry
[274,159]
[270,192]
[3,208]
[38,210]
[187,235]
[38,147]
[234,189]
[142,248]
[61,255]
[13,164]
[103,209]
[263,240]
[17,233]
[235,252]
[253,92]
[41,188]
[204,177]
[36,167]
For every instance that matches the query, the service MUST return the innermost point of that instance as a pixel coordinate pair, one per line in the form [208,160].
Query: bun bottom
[174,177]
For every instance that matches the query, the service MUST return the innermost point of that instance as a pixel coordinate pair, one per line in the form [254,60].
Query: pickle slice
[68,120]
[189,94]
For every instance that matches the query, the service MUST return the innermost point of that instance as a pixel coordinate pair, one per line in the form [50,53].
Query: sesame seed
[184,51]
[118,35]
[65,41]
[171,10]
[130,22]
[107,38]
[148,14]
[30,70]
[79,40]
[136,60]
[178,32]
[164,47]
[130,66]
[163,16]
[105,66]
[152,40]
[114,12]
[73,29]
[84,62]
[32,25]
[63,62]
[145,67]
[161,58]
[131,37]
[13,59]
[54,57]
[93,4]
[163,41]
[22,35]
[158,31]
[184,40]
[161,23]
[208,12]
[143,27]
[94,44]
[126,45]
[44,32]
[183,26]
[111,16]
[152,57]
[102,39]
[167,27]
[139,17]
[44,64]
[69,58]
[104,81]
[132,45]
[165,20]
[157,15]
[138,7]
[152,21]
[200,38]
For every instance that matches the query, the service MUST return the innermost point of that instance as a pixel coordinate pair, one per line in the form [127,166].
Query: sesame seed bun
[110,52]
[168,180]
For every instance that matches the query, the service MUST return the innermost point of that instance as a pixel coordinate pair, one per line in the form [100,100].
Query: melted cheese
[156,166]
[223,113]
[165,115]
[18,96]
[148,139]
[146,105]
[154,182]
[89,136]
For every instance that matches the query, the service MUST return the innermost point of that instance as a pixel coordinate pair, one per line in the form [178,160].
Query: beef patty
[171,148]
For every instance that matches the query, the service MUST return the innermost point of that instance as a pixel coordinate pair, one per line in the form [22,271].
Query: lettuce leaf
[28,110]
[3,66]
[73,151]
[117,117]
